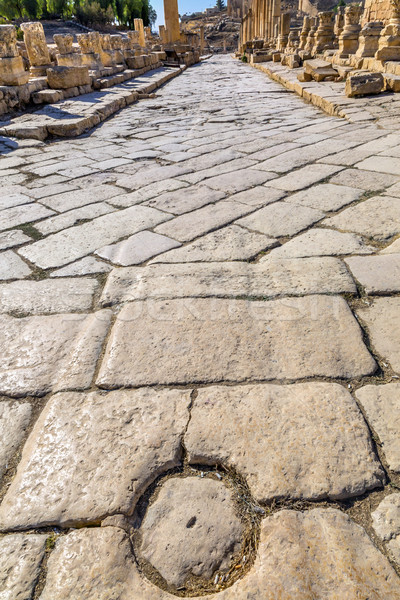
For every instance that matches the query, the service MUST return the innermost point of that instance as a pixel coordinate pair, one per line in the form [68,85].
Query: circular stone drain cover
[191,529]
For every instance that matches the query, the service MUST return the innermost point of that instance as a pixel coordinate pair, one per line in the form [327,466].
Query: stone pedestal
[369,39]
[11,64]
[116,46]
[339,23]
[293,40]
[171,17]
[324,35]
[348,40]
[107,55]
[304,32]
[36,47]
[62,78]
[66,57]
[284,30]
[140,29]
[88,57]
[389,41]
[163,35]
[311,35]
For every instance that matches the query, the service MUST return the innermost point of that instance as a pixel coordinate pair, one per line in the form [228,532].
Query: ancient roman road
[200,341]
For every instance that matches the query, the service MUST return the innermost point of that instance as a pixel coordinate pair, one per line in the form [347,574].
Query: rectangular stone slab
[209,340]
[307,440]
[61,479]
[271,278]
[377,274]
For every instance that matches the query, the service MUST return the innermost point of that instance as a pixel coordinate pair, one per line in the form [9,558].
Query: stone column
[276,12]
[107,55]
[139,27]
[36,47]
[171,17]
[348,40]
[202,41]
[311,35]
[66,56]
[339,22]
[304,32]
[284,31]
[293,40]
[163,34]
[324,35]
[116,46]
[89,56]
[389,41]
[11,64]
[369,39]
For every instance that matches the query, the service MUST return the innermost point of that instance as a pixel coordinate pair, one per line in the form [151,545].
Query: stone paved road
[200,333]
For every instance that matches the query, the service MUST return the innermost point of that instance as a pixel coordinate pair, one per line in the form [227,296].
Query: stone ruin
[346,46]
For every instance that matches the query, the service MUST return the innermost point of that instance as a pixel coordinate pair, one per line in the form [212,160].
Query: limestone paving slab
[229,167]
[238,180]
[18,215]
[322,242]
[11,200]
[46,296]
[281,219]
[41,353]
[258,196]
[198,222]
[210,340]
[78,198]
[195,514]
[326,196]
[393,248]
[377,274]
[137,249]
[186,199]
[230,243]
[377,218]
[381,164]
[67,246]
[71,217]
[147,192]
[60,479]
[12,266]
[306,440]
[89,564]
[386,518]
[268,278]
[383,323]
[381,404]
[12,238]
[304,177]
[14,419]
[20,559]
[366,180]
[85,266]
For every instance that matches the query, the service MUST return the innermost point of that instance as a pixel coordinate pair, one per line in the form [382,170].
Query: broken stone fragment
[364,84]
[67,77]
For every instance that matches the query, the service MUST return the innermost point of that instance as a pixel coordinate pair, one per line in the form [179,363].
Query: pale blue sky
[185,6]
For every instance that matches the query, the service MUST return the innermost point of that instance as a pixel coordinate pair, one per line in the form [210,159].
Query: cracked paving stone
[377,217]
[13,217]
[304,177]
[377,274]
[14,419]
[366,180]
[137,249]
[79,198]
[12,266]
[44,353]
[85,266]
[382,319]
[210,340]
[11,200]
[281,219]
[46,296]
[230,243]
[66,246]
[20,559]
[186,199]
[195,514]
[238,181]
[138,435]
[258,196]
[321,552]
[12,238]
[322,242]
[147,192]
[386,522]
[326,196]
[190,280]
[89,564]
[71,217]
[306,440]
[393,248]
[381,404]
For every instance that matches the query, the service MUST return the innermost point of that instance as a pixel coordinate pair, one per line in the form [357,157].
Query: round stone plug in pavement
[191,534]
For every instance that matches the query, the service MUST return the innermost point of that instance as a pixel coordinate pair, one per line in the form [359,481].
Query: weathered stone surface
[148,191]
[319,69]
[322,242]
[66,246]
[363,84]
[304,177]
[67,201]
[14,419]
[61,78]
[377,274]
[12,238]
[230,243]
[18,215]
[281,219]
[366,180]
[381,164]
[138,435]
[382,407]
[393,248]
[186,199]
[137,249]
[20,559]
[12,266]
[11,200]
[386,518]
[89,564]
[377,217]
[265,432]
[326,196]
[197,515]
[85,266]
[321,552]
[268,278]
[46,297]
[237,181]
[258,196]
[383,322]
[71,217]
[189,226]
[209,340]
[47,352]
